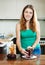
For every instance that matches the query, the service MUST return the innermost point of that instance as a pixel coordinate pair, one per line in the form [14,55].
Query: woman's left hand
[29,48]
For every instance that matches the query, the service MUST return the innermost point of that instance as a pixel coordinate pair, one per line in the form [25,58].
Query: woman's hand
[23,51]
[29,47]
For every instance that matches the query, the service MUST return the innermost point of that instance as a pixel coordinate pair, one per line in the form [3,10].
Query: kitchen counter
[38,61]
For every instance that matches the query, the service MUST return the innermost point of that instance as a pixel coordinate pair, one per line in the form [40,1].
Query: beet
[11,56]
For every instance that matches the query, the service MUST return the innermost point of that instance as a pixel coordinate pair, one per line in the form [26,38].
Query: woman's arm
[38,36]
[18,43]
[18,37]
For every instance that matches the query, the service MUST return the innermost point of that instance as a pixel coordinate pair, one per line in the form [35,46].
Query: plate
[31,57]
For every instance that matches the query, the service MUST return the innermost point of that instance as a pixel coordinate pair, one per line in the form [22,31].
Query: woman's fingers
[29,48]
[24,52]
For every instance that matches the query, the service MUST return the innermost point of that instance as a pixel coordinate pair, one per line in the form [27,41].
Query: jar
[11,50]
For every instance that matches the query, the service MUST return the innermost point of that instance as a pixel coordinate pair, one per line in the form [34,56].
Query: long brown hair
[32,23]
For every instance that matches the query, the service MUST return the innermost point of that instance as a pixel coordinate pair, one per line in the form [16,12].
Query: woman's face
[28,13]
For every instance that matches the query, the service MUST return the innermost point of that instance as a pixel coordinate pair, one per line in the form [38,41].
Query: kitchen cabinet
[42,48]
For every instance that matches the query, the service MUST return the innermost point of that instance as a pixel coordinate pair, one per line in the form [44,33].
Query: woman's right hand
[23,51]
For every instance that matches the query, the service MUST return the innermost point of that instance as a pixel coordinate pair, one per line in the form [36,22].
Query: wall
[10,10]
[8,26]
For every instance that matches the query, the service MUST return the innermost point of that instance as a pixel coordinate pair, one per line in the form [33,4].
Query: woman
[28,31]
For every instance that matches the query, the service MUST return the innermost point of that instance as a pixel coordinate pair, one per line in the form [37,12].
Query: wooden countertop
[38,61]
